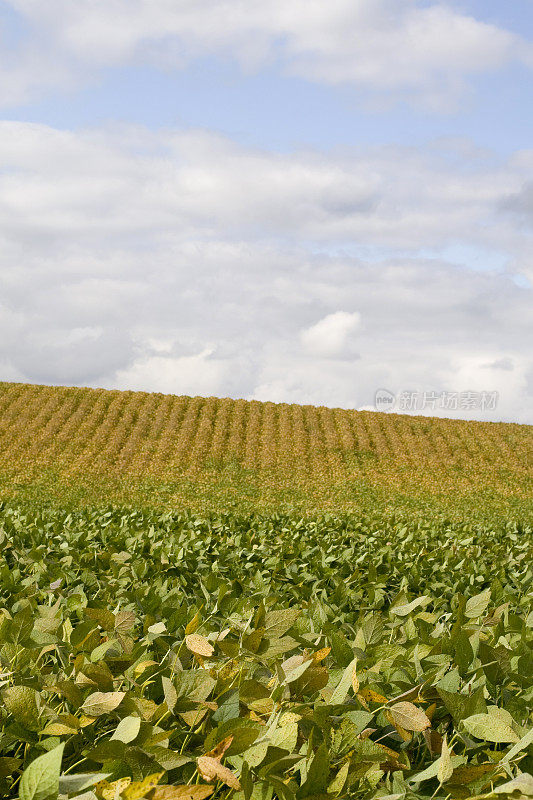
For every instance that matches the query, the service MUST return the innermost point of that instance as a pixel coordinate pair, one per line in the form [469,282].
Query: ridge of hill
[84,446]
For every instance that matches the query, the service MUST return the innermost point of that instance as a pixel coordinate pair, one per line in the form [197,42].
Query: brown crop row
[136,435]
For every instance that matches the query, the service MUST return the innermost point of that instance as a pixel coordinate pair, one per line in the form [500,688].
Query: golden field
[81,446]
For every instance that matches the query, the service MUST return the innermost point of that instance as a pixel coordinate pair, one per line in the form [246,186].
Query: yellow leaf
[355,679]
[193,624]
[409,716]
[219,750]
[85,720]
[139,789]
[58,729]
[320,655]
[108,791]
[211,769]
[371,696]
[199,645]
[197,792]
[144,665]
[445,769]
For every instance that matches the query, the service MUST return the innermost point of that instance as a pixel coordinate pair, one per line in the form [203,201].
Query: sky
[286,200]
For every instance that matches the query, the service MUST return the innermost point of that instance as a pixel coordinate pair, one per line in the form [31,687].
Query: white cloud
[403,47]
[178,261]
[330,337]
[194,375]
[128,184]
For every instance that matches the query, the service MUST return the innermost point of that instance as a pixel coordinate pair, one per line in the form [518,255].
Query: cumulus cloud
[406,48]
[330,337]
[178,261]
[194,375]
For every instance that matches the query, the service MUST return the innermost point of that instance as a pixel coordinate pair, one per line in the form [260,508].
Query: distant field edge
[84,447]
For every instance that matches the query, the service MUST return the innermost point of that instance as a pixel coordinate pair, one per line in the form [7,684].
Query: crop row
[98,432]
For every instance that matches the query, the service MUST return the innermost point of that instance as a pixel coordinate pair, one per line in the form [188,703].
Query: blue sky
[267,108]
[329,171]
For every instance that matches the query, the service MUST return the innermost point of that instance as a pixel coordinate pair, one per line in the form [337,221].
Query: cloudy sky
[288,200]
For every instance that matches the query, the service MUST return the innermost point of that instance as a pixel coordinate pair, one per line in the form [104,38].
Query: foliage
[165,656]
[88,446]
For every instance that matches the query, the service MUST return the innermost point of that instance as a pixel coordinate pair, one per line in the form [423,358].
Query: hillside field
[82,446]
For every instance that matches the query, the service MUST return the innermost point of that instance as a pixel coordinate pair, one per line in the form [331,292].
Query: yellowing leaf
[288,718]
[193,624]
[337,784]
[142,665]
[320,655]
[211,769]
[355,679]
[108,791]
[445,770]
[197,792]
[285,737]
[409,716]
[99,703]
[219,750]
[58,729]
[371,696]
[199,645]
[490,728]
[85,720]
[139,789]
[467,774]
[127,730]
[263,705]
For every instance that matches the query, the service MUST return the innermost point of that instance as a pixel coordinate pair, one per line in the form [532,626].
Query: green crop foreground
[159,655]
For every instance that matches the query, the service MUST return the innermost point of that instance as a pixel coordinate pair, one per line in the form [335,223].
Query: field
[213,598]
[163,656]
[79,446]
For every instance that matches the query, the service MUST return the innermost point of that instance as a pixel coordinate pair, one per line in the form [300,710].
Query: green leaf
[433,769]
[490,728]
[477,605]
[9,765]
[523,744]
[23,703]
[71,784]
[229,708]
[522,784]
[317,774]
[407,608]
[244,732]
[40,780]
[462,706]
[341,690]
[279,622]
[127,730]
